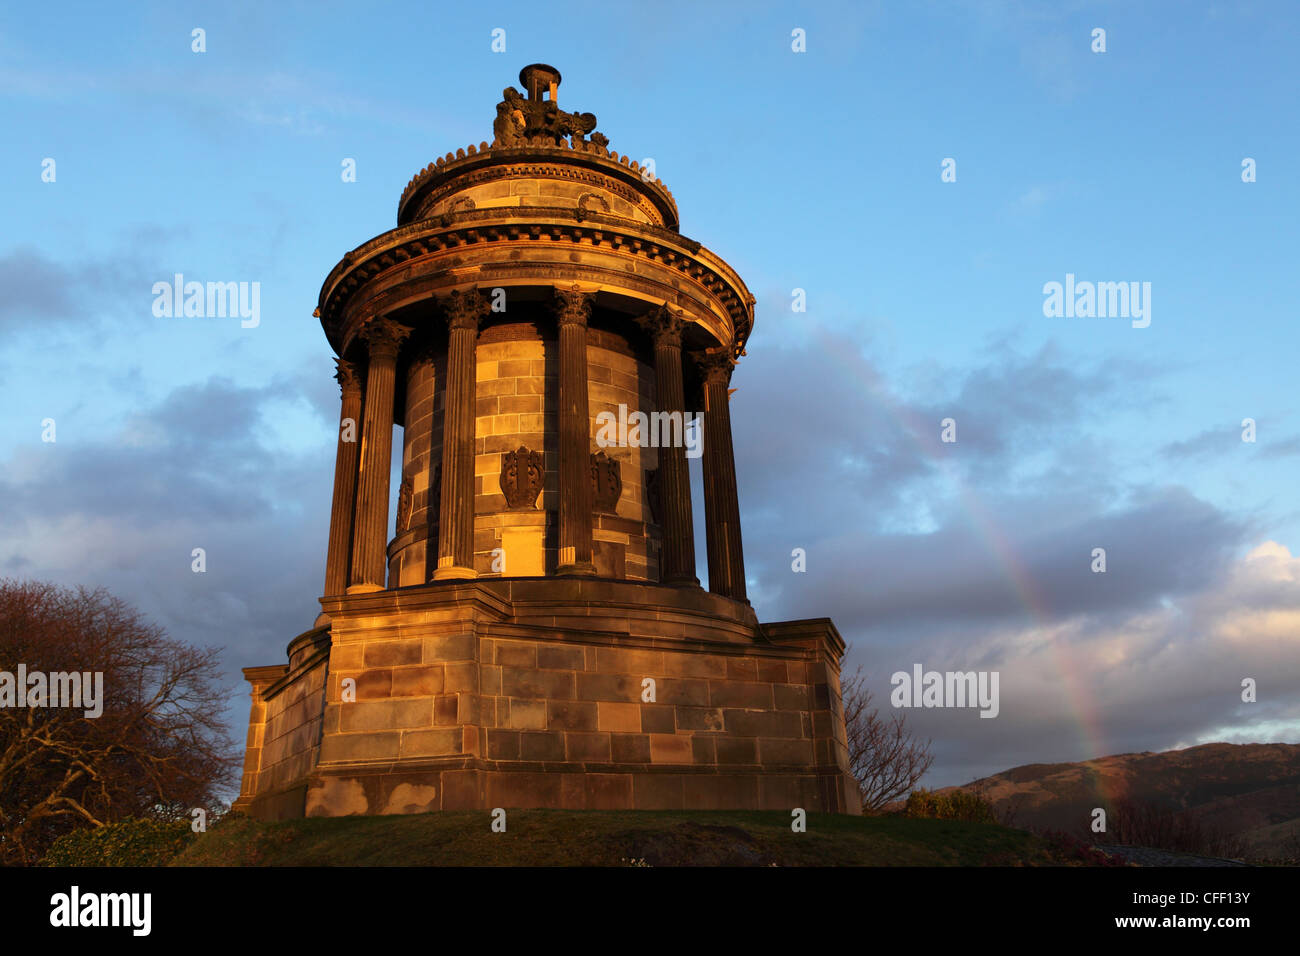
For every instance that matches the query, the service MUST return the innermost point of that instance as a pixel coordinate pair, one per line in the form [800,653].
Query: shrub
[128,843]
[1070,849]
[1144,823]
[954,805]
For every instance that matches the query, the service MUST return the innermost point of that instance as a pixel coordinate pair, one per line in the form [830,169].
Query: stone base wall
[341,793]
[284,728]
[580,694]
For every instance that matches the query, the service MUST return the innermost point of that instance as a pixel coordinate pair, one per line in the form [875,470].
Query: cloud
[1092,684]
[42,293]
[196,470]
[979,554]
[1221,442]
[1283,448]
[40,290]
[1031,200]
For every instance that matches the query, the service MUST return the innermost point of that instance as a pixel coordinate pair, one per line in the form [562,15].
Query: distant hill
[1251,790]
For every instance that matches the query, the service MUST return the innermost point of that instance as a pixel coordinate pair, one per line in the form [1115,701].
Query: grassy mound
[618,838]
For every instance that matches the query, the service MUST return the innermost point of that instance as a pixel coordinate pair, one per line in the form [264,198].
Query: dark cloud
[978,555]
[1152,680]
[127,510]
[1213,442]
[1222,442]
[39,290]
[1282,448]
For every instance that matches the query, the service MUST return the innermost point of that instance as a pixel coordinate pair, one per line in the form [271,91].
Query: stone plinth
[532,693]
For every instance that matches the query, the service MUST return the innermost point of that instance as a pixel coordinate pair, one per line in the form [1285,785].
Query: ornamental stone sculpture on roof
[537,118]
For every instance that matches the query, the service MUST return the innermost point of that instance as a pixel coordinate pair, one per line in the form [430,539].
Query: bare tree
[885,759]
[159,748]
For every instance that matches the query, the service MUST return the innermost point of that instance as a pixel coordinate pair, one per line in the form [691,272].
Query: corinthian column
[721,503]
[345,480]
[464,312]
[572,310]
[677,565]
[370,526]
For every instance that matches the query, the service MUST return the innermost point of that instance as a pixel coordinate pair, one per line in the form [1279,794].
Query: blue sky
[817,170]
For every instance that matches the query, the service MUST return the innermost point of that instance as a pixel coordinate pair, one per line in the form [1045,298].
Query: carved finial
[538,118]
[541,81]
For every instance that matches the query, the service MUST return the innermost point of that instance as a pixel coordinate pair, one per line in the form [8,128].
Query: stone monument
[531,632]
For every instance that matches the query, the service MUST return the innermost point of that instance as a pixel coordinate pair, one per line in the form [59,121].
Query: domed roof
[534,139]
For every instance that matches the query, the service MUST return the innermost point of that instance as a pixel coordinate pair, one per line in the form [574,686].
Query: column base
[682,581]
[578,569]
[364,588]
[453,573]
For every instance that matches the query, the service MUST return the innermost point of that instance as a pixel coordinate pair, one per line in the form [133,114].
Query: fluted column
[370,525]
[572,310]
[464,312]
[721,503]
[677,562]
[339,558]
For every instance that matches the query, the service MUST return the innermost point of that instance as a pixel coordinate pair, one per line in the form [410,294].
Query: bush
[1143,823]
[954,805]
[1070,849]
[129,843]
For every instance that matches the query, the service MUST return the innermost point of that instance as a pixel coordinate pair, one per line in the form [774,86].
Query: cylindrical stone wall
[517,405]
[412,553]
[515,408]
[548,185]
[625,541]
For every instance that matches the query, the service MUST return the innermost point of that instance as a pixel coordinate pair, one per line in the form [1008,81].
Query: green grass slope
[613,838]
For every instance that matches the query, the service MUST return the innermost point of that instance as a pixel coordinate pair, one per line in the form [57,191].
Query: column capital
[715,367]
[348,376]
[464,309]
[664,326]
[384,338]
[572,306]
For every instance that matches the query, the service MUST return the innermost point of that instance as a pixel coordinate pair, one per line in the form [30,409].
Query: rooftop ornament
[537,118]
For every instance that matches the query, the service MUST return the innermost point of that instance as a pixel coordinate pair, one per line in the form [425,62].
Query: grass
[614,838]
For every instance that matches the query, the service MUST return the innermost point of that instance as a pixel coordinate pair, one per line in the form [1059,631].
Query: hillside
[1251,790]
[614,838]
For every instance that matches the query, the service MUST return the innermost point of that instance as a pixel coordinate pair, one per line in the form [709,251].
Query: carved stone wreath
[404,505]
[522,476]
[606,483]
